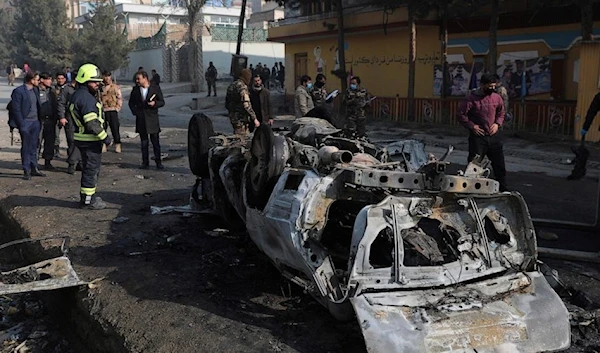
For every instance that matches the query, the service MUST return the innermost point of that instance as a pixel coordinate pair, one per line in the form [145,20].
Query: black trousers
[91,159]
[146,145]
[74,155]
[48,136]
[492,147]
[112,118]
[57,138]
[212,84]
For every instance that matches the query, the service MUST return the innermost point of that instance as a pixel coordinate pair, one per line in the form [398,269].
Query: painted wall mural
[320,63]
[520,77]
[526,77]
[461,78]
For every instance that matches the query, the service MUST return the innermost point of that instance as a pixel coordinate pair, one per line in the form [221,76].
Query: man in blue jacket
[25,110]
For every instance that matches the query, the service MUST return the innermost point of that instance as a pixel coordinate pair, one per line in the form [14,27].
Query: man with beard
[260,98]
[89,135]
[482,113]
[144,102]
[25,102]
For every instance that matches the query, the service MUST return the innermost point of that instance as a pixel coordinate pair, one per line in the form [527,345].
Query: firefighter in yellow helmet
[88,121]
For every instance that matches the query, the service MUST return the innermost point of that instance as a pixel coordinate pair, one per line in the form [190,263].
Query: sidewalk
[552,150]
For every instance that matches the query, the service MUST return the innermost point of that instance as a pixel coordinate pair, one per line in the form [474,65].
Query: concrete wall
[149,59]
[217,52]
[220,54]
[382,67]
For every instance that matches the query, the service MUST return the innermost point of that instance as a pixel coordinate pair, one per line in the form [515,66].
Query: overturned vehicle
[427,261]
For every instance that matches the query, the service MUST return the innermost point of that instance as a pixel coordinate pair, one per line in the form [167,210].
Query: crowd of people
[277,72]
[85,105]
[249,106]
[482,112]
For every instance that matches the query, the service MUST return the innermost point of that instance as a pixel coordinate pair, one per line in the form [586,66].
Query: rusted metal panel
[45,275]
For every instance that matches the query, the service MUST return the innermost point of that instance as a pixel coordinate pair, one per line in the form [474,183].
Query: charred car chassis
[427,261]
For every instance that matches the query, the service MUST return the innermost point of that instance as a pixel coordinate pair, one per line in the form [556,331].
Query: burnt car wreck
[425,260]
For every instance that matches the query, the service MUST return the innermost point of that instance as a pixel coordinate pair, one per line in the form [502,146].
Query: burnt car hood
[447,274]
[528,318]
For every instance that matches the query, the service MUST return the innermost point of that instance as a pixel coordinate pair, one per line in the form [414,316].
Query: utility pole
[238,49]
[444,36]
[341,45]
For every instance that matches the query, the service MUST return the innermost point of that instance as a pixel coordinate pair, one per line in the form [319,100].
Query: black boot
[91,202]
[48,165]
[37,172]
[27,175]
[71,169]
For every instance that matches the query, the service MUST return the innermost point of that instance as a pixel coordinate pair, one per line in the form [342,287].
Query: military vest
[318,96]
[356,100]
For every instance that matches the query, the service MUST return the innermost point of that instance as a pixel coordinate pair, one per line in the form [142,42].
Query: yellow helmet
[88,72]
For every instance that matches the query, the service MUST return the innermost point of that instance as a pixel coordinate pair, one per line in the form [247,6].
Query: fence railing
[545,117]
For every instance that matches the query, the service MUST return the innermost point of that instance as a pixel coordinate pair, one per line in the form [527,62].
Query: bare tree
[195,21]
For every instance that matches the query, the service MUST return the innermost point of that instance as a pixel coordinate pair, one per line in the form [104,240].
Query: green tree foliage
[42,36]
[6,50]
[100,42]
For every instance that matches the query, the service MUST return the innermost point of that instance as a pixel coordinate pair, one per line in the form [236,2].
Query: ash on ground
[25,327]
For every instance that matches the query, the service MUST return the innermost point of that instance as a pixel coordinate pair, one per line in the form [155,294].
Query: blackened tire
[200,130]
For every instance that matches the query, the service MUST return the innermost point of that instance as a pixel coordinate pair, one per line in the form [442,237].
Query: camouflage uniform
[240,110]
[318,96]
[356,100]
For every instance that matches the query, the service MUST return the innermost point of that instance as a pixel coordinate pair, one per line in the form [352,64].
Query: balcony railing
[224,34]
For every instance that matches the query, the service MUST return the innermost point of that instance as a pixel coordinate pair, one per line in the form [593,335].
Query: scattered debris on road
[120,220]
[26,328]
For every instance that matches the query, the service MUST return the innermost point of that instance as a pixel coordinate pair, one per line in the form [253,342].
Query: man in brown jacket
[260,98]
[112,101]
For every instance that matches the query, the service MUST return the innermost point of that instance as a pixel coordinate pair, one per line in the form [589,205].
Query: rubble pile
[585,329]
[25,327]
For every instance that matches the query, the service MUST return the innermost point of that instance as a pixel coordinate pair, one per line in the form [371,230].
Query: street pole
[444,50]
[238,49]
[341,120]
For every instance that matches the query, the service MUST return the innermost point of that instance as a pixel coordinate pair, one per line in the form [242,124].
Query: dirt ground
[179,283]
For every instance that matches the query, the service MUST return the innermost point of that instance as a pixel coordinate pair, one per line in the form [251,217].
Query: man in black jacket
[591,114]
[66,90]
[144,101]
[260,98]
[48,117]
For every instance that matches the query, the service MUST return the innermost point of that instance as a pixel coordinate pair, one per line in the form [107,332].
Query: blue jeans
[30,140]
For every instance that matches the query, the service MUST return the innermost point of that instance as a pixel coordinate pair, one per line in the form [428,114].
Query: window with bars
[316,7]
